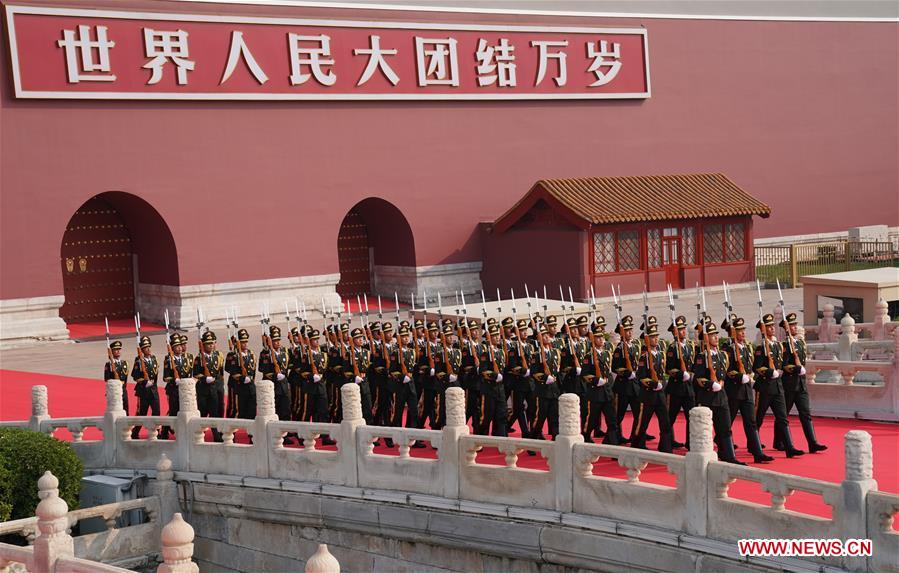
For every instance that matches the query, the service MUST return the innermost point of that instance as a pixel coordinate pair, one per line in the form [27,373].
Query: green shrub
[24,457]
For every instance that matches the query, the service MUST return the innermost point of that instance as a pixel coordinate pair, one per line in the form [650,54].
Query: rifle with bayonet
[624,350]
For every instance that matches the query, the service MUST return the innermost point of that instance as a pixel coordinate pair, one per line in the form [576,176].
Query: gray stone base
[446,279]
[246,296]
[24,321]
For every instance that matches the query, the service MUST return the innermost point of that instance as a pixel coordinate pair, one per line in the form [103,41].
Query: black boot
[726,451]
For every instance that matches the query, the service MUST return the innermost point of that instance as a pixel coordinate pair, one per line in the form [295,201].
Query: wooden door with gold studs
[353,256]
[97,267]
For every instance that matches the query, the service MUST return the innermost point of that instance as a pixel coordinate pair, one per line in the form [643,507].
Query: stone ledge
[24,321]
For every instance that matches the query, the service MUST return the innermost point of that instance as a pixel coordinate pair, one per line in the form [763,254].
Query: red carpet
[73,397]
[119,326]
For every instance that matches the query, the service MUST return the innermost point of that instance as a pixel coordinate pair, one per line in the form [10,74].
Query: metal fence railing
[789,264]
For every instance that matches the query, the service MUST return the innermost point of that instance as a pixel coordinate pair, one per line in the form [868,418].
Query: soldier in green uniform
[709,370]
[209,368]
[678,366]
[522,385]
[144,373]
[546,372]
[241,367]
[179,365]
[432,354]
[356,371]
[334,375]
[117,370]
[297,362]
[624,366]
[767,365]
[795,353]
[381,394]
[274,364]
[493,362]
[402,367]
[651,375]
[738,386]
[450,366]
[597,367]
[470,340]
[315,395]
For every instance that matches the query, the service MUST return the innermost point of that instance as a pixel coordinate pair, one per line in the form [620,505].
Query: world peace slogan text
[96,54]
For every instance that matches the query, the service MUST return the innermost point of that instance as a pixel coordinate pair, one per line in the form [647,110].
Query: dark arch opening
[113,240]
[373,232]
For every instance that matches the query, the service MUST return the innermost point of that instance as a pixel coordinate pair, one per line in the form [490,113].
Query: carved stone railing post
[53,542]
[697,461]
[347,447]
[450,456]
[39,408]
[187,411]
[115,409]
[177,547]
[847,339]
[265,413]
[881,318]
[859,480]
[322,561]
[562,464]
[828,326]
[165,488]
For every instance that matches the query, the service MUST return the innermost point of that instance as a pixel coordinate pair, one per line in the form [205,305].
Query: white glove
[280,376]
[716,387]
[632,376]
[802,370]
[686,376]
[550,380]
[406,380]
[247,379]
[358,380]
[658,386]
[150,383]
[316,377]
[432,371]
[577,371]
[745,379]
[775,374]
[210,379]
[527,372]
[499,377]
[601,381]
[177,381]
[453,378]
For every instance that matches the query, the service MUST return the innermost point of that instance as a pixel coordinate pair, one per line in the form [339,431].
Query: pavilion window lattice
[688,245]
[603,252]
[713,243]
[654,248]
[628,250]
[736,242]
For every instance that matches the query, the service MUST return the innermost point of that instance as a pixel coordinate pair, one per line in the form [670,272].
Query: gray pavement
[86,359]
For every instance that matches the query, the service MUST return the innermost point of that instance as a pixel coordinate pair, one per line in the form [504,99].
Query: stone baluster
[859,480]
[322,561]
[827,326]
[455,428]
[39,408]
[347,447]
[177,547]
[165,488]
[53,542]
[265,413]
[187,411]
[562,462]
[848,338]
[696,473]
[115,409]
[881,318]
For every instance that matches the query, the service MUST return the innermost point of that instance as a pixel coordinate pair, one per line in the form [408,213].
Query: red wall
[797,113]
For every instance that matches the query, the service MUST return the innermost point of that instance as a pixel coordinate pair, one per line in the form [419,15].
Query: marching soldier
[241,367]
[297,362]
[144,373]
[178,366]
[679,364]
[709,369]
[209,368]
[598,398]
[738,387]
[651,372]
[334,375]
[470,337]
[522,385]
[546,386]
[117,370]
[624,365]
[769,392]
[432,354]
[795,354]
[600,338]
[405,395]
[356,372]
[381,399]
[448,376]
[315,395]
[274,364]
[493,410]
